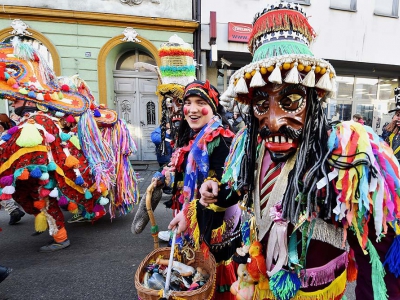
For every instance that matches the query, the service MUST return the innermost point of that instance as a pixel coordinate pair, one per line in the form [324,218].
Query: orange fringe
[39,204]
[71,161]
[24,175]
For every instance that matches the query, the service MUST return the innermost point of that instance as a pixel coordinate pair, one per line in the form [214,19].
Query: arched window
[128,59]
[151,113]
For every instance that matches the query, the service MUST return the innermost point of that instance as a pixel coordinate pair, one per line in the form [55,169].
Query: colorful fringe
[125,193]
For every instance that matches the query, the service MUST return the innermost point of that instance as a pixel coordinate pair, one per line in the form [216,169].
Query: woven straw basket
[206,292]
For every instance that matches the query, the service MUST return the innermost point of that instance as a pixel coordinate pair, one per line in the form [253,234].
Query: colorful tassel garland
[23,91]
[5,196]
[39,96]
[79,180]
[44,192]
[71,162]
[51,166]
[70,119]
[31,94]
[24,175]
[63,201]
[392,258]
[75,141]
[50,184]
[40,222]
[351,267]
[45,176]
[10,189]
[98,208]
[7,180]
[47,97]
[241,87]
[30,136]
[73,207]
[36,173]
[39,204]
[88,194]
[49,137]
[54,193]
[65,88]
[284,285]
[276,76]
[64,136]
[60,95]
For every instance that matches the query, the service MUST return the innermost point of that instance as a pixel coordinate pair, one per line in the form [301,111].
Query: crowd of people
[290,205]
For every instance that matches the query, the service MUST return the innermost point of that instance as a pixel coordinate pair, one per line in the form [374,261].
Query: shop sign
[239,32]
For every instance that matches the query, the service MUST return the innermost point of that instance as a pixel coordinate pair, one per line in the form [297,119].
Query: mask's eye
[168,102]
[261,106]
[292,102]
[179,101]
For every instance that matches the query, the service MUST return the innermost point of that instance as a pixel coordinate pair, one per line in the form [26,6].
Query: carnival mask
[280,110]
[174,106]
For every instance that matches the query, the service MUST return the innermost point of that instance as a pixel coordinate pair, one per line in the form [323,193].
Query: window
[366,88]
[128,59]
[151,113]
[350,5]
[389,8]
[305,2]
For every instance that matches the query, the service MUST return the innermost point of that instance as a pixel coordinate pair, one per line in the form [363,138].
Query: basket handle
[171,259]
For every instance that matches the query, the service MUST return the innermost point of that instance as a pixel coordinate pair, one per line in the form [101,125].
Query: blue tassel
[6,75]
[392,258]
[36,173]
[51,166]
[88,194]
[6,137]
[79,180]
[31,94]
[96,113]
[83,213]
[64,136]
[284,285]
[51,184]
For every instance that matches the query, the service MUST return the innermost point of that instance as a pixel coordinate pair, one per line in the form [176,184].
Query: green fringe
[154,229]
[378,273]
[278,48]
[213,144]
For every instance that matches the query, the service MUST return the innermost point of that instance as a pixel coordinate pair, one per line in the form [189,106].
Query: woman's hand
[208,192]
[179,221]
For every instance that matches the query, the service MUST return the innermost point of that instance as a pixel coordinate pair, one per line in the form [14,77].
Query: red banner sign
[239,32]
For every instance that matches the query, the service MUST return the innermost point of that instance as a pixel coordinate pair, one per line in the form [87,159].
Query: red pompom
[70,119]
[47,97]
[65,88]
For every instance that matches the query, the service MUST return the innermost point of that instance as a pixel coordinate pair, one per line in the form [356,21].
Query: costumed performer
[203,142]
[313,195]
[41,166]
[390,132]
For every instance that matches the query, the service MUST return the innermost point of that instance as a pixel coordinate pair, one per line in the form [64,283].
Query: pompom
[88,194]
[40,222]
[96,113]
[31,94]
[23,91]
[63,201]
[39,96]
[7,180]
[44,192]
[75,141]
[65,88]
[44,183]
[70,119]
[60,114]
[47,97]
[30,136]
[284,285]
[64,136]
[50,184]
[54,193]
[5,196]
[45,176]
[11,81]
[79,180]
[71,161]
[60,95]
[73,207]
[54,96]
[9,189]
[6,137]
[24,175]
[12,130]
[103,201]
[36,173]
[49,137]
[98,208]
[51,166]
[39,204]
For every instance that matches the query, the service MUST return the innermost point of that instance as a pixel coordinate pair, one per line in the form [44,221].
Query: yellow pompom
[252,73]
[40,222]
[263,70]
[323,71]
[270,69]
[307,69]
[330,75]
[286,66]
[300,67]
[292,65]
[30,136]
[247,75]
[317,69]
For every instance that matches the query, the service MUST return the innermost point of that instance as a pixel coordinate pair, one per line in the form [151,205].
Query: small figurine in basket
[243,288]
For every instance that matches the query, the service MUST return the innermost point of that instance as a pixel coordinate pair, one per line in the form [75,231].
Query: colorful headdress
[25,75]
[397,99]
[177,66]
[204,90]
[279,44]
[102,115]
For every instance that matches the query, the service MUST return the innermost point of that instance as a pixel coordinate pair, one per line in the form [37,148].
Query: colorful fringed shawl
[198,160]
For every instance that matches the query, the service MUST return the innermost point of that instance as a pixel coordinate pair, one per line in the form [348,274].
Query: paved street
[99,264]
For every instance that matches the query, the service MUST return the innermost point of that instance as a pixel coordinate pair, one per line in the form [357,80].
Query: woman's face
[197,112]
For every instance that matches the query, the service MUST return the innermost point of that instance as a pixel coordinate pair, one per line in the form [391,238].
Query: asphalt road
[99,264]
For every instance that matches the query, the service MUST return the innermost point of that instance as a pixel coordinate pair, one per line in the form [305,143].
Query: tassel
[11,81]
[60,114]
[5,196]
[276,76]
[29,137]
[9,190]
[103,201]
[6,76]
[293,76]
[75,141]
[98,208]
[231,91]
[54,96]
[15,86]
[31,94]
[13,130]
[39,204]
[50,184]
[73,207]
[96,113]
[334,88]
[7,180]
[47,97]
[79,180]
[324,82]
[24,175]
[45,176]
[44,183]
[51,166]
[63,201]
[39,96]
[49,137]
[44,192]
[36,173]
[309,80]
[40,222]
[65,88]
[206,251]
[241,87]
[6,137]
[392,258]
[351,267]
[54,193]
[70,119]
[378,273]
[284,285]
[88,194]
[23,91]
[64,136]
[71,162]
[257,79]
